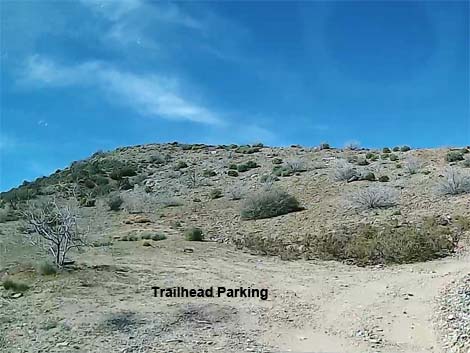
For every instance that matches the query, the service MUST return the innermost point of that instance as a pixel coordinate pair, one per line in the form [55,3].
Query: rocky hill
[395,222]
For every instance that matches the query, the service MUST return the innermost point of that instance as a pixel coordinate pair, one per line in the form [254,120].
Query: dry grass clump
[344,171]
[364,244]
[46,268]
[376,196]
[454,182]
[269,203]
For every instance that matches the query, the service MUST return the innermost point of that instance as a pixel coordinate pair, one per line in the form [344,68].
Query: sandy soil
[312,306]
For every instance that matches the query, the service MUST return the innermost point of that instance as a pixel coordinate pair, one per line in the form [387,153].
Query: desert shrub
[125,184]
[363,244]
[352,145]
[7,215]
[180,165]
[208,173]
[386,150]
[247,166]
[282,171]
[407,244]
[158,158]
[344,171]
[232,173]
[46,268]
[215,194]
[324,146]
[268,179]
[194,234]
[247,149]
[124,171]
[454,182]
[170,202]
[362,162]
[233,166]
[369,176]
[405,148]
[413,164]
[236,192]
[374,197]
[384,179]
[9,284]
[394,157]
[454,156]
[370,155]
[269,203]
[385,156]
[466,162]
[277,160]
[115,202]
[158,237]
[396,149]
[296,165]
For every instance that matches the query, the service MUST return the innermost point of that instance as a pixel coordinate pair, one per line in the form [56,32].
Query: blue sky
[82,76]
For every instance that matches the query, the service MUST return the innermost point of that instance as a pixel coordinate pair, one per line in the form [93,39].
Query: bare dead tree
[55,229]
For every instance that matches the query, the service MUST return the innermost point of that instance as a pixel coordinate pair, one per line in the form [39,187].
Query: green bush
[396,149]
[232,173]
[115,202]
[209,173]
[194,234]
[247,149]
[158,237]
[46,269]
[277,160]
[267,204]
[232,166]
[386,150]
[324,146]
[394,157]
[15,286]
[384,179]
[242,168]
[282,171]
[405,148]
[454,156]
[370,155]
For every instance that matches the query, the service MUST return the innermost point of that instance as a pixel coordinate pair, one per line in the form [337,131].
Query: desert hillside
[360,250]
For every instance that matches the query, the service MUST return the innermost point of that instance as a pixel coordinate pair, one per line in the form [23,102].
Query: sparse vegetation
[215,194]
[454,156]
[386,150]
[344,171]
[115,202]
[46,268]
[53,228]
[267,204]
[413,164]
[10,284]
[376,196]
[194,234]
[454,182]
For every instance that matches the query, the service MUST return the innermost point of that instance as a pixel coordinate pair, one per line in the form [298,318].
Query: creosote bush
[194,234]
[269,203]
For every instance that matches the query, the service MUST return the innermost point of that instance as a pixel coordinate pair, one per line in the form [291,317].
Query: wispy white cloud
[150,95]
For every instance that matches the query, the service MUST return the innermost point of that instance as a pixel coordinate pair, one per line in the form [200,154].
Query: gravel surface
[454,317]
